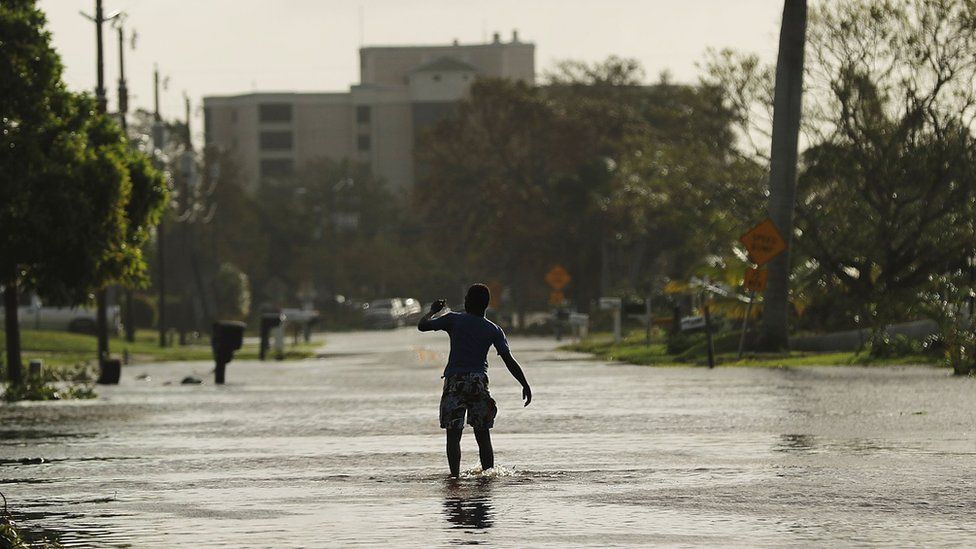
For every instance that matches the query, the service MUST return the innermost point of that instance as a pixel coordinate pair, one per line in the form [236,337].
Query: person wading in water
[466,374]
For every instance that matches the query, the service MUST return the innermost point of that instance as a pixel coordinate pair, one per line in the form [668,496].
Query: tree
[885,191]
[889,187]
[34,107]
[782,173]
[595,171]
[232,292]
[77,204]
[490,191]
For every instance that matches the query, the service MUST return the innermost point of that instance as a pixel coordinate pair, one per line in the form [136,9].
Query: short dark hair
[477,298]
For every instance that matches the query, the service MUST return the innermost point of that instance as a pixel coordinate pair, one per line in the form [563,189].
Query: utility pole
[130,329]
[101,317]
[782,173]
[160,241]
[186,106]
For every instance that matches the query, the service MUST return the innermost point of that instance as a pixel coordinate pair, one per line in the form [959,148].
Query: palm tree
[782,175]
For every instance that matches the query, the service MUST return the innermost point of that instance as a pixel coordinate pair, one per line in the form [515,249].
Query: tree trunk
[14,373]
[101,324]
[782,175]
[130,325]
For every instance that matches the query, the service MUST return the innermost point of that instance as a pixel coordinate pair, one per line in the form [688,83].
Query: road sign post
[650,320]
[708,329]
[745,324]
[755,281]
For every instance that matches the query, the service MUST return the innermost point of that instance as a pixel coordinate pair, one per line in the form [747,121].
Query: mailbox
[227,337]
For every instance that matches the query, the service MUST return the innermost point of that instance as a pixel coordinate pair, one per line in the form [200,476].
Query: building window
[274,112]
[363,143]
[363,113]
[276,141]
[276,167]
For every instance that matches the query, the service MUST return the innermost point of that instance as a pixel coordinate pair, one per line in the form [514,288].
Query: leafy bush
[898,346]
[76,382]
[232,291]
[948,303]
[679,342]
[725,342]
[11,538]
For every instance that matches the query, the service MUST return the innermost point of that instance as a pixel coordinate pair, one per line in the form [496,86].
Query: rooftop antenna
[362,26]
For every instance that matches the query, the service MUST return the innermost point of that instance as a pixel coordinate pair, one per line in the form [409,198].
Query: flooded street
[345,450]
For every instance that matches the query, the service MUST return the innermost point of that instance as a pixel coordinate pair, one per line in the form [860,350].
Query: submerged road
[345,450]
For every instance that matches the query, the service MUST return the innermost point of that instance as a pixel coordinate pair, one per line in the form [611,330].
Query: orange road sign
[556,297]
[764,242]
[495,288]
[557,278]
[756,279]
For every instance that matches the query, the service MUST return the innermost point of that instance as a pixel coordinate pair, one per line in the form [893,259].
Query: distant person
[466,374]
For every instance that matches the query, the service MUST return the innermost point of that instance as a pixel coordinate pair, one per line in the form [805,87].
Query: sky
[220,47]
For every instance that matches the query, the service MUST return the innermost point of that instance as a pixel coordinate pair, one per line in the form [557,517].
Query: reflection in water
[795,443]
[469,506]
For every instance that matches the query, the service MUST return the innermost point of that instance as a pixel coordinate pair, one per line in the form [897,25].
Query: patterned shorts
[467,393]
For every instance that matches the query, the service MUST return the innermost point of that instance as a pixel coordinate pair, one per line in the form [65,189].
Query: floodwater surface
[345,450]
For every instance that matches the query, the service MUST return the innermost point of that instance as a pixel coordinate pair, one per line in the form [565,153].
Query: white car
[34,315]
[412,309]
[385,313]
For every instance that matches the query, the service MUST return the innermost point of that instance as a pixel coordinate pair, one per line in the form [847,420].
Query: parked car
[385,313]
[34,315]
[412,310]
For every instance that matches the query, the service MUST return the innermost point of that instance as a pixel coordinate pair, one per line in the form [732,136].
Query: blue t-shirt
[471,335]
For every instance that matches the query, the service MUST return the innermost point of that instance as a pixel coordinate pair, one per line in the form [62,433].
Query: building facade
[402,91]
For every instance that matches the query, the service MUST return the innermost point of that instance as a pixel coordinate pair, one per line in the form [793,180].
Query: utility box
[227,337]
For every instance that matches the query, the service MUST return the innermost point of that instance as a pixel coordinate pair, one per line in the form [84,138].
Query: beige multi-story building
[402,91]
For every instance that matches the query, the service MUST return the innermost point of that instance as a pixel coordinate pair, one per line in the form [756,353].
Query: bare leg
[454,451]
[483,436]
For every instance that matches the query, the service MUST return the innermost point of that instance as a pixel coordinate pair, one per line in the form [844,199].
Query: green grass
[633,350]
[63,348]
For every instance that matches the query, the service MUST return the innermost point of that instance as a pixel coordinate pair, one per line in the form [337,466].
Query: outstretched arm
[516,371]
[424,324]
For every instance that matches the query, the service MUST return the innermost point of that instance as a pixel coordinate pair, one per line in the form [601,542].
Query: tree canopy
[76,203]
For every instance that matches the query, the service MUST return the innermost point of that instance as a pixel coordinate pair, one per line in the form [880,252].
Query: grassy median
[633,349]
[65,349]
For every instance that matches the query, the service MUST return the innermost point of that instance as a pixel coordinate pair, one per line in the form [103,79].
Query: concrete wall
[439,86]
[852,340]
[321,125]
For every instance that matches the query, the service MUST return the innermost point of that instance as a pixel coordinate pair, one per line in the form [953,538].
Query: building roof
[445,64]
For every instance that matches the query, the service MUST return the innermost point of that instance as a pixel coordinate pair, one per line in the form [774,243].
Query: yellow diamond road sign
[755,279]
[557,278]
[763,242]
